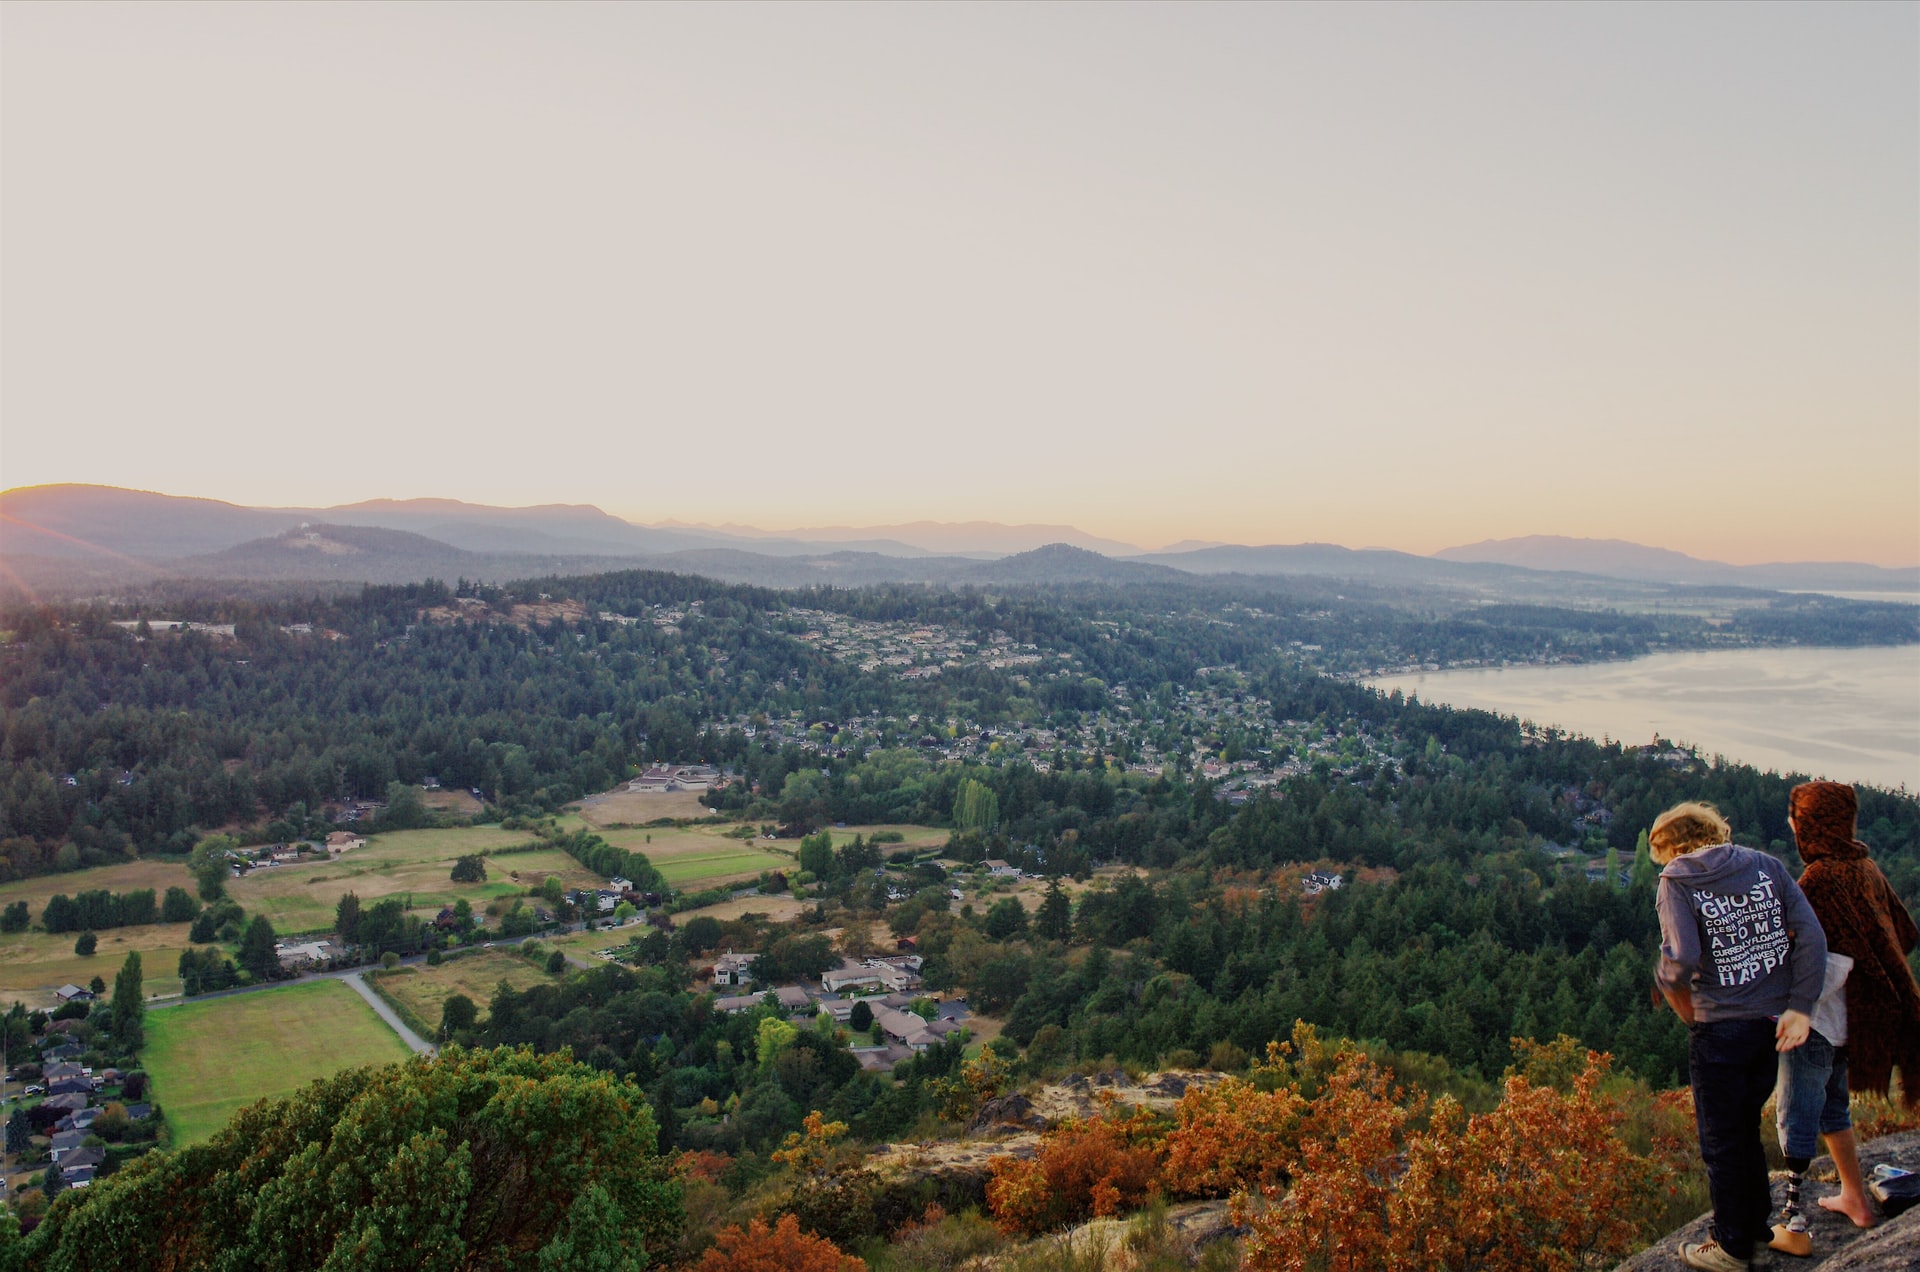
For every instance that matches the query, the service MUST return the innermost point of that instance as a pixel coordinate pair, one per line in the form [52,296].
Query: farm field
[621,806]
[303,897]
[916,837]
[131,876]
[210,1059]
[425,990]
[33,964]
[700,856]
[778,909]
[692,857]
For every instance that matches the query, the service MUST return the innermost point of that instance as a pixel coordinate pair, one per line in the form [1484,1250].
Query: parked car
[35,1090]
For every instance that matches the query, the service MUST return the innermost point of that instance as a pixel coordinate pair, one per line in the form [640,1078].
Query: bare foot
[1854,1208]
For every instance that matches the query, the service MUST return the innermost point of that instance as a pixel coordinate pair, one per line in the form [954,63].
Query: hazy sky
[1388,275]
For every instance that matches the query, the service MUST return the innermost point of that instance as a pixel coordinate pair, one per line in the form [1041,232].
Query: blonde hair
[1684,828]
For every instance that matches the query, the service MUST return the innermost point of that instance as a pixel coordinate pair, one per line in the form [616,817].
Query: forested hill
[1094,727]
[1233,841]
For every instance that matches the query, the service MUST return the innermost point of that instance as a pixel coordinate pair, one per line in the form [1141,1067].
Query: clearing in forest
[211,1058]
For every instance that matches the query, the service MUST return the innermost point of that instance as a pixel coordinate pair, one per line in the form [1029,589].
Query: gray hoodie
[1736,931]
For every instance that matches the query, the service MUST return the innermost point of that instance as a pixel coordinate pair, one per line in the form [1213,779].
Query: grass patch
[303,898]
[211,1059]
[424,990]
[34,964]
[129,877]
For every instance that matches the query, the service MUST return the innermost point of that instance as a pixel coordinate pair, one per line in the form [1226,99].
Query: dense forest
[117,741]
[1469,922]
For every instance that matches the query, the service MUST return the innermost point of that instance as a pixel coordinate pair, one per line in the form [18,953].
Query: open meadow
[303,897]
[34,964]
[209,1059]
[424,990]
[131,876]
[693,857]
[622,807]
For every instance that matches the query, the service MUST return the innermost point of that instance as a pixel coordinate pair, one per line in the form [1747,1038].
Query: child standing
[1873,1023]
[1741,961]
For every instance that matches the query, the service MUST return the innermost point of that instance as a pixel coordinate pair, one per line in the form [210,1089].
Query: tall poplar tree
[129,1007]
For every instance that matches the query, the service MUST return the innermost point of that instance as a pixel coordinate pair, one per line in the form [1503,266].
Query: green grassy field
[210,1059]
[302,898]
[425,990]
[699,856]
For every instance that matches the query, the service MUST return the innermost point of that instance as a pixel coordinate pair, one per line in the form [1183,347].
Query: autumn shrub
[1877,1115]
[830,1193]
[1542,1183]
[781,1248]
[1231,1136]
[1091,1167]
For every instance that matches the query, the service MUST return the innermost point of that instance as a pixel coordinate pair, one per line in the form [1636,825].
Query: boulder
[1892,1246]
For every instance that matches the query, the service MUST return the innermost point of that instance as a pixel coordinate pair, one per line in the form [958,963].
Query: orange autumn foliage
[1101,1166]
[1543,1183]
[783,1248]
[1231,1136]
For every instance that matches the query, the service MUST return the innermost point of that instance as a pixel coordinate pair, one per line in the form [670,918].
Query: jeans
[1812,1097]
[1733,1067]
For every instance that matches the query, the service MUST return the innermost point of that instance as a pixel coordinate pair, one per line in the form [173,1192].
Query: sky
[1383,275]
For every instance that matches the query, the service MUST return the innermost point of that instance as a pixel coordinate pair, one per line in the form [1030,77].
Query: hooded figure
[1863,919]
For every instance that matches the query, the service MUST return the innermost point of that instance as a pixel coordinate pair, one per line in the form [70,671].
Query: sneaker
[1708,1256]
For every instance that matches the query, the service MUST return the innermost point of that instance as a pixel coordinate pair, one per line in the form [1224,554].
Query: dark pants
[1733,1066]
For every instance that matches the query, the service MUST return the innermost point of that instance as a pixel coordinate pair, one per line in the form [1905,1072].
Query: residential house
[1001,870]
[734,969]
[847,976]
[1321,881]
[676,777]
[65,1142]
[734,1004]
[73,994]
[794,999]
[344,841]
[305,953]
[83,1159]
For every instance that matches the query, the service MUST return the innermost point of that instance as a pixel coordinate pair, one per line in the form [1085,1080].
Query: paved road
[386,1013]
[352,976]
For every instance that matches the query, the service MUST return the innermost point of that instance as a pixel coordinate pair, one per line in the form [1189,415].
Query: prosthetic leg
[1790,1237]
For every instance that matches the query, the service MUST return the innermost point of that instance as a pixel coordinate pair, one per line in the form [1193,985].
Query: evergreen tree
[19,1130]
[1645,873]
[346,918]
[1054,921]
[129,1008]
[256,949]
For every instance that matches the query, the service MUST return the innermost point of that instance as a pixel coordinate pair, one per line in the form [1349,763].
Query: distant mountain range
[1619,559]
[92,537]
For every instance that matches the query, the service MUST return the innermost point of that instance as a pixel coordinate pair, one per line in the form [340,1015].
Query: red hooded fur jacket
[1864,920]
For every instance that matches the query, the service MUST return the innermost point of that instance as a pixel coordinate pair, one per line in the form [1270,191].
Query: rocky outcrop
[1838,1246]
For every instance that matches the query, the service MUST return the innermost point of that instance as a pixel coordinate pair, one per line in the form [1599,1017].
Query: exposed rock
[1893,1246]
[1007,1111]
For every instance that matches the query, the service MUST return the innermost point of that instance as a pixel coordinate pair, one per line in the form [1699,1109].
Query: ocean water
[1849,715]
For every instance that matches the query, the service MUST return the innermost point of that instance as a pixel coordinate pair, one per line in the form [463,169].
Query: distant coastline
[1846,714]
